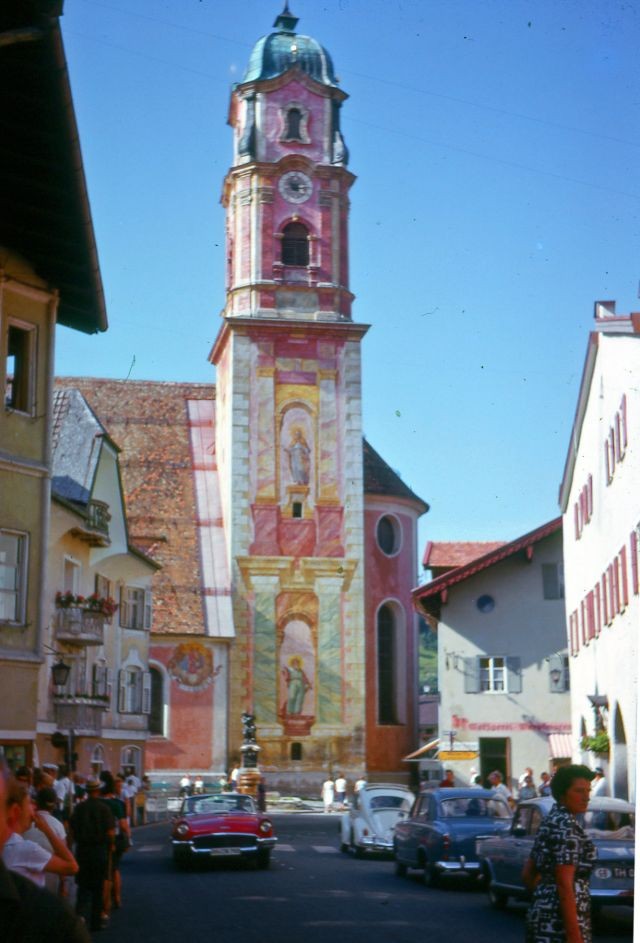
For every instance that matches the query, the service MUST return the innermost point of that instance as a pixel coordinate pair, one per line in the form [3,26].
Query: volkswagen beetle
[368,825]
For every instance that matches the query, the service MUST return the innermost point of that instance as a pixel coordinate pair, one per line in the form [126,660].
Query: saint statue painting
[299,458]
[297,685]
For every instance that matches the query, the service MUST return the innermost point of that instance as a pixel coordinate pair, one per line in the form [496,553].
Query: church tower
[289,448]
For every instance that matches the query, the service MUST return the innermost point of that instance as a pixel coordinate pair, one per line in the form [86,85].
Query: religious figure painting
[297,670]
[297,458]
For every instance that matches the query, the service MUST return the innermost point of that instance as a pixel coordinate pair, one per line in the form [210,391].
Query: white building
[600,502]
[502,658]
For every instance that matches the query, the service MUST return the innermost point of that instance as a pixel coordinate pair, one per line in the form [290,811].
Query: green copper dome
[274,54]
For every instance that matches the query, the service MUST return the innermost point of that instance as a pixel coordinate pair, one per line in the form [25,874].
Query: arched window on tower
[386,632]
[294,125]
[295,244]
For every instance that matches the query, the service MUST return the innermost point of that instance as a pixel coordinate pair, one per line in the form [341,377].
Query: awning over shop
[421,753]
[560,745]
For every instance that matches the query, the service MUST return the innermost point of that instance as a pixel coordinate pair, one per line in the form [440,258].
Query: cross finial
[286,21]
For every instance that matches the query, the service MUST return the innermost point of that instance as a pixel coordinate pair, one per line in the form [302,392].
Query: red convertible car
[226,825]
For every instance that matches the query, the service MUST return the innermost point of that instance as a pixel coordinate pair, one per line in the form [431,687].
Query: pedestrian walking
[93,829]
[340,789]
[24,856]
[112,896]
[328,792]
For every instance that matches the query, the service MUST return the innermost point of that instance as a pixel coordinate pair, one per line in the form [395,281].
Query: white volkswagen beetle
[369,823]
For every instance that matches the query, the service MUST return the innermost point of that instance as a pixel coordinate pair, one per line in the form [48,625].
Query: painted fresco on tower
[297,458]
[297,678]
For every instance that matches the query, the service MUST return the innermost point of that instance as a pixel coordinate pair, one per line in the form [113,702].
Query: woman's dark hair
[564,777]
[108,784]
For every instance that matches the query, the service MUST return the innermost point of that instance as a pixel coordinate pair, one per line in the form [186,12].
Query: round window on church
[388,534]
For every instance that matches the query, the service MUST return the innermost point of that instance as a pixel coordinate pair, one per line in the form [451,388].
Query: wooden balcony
[79,626]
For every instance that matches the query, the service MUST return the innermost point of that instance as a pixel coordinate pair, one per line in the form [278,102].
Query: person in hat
[93,829]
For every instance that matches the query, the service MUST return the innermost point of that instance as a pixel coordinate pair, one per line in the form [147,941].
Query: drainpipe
[45,508]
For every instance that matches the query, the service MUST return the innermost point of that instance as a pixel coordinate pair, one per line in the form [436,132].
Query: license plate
[215,852]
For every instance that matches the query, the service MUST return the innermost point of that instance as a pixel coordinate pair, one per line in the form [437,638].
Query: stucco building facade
[600,501]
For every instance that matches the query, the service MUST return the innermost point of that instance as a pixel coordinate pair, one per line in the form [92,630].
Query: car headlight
[265,826]
[182,829]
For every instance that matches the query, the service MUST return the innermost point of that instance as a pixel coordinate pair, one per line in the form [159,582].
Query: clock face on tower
[295,186]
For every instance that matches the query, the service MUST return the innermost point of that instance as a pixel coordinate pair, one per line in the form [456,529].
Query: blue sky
[497,150]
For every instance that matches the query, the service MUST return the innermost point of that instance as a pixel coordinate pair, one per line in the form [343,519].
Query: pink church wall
[294,91]
[390,579]
[188,745]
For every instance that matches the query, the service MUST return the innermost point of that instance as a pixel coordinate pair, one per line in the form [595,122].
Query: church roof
[380,478]
[152,425]
[284,49]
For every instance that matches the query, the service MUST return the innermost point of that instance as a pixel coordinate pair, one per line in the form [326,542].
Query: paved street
[312,893]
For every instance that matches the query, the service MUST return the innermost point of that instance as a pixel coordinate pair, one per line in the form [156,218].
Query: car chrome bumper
[252,849]
[459,865]
[619,896]
[376,844]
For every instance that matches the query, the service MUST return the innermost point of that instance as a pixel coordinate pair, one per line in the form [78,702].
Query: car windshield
[474,807]
[610,824]
[212,805]
[391,802]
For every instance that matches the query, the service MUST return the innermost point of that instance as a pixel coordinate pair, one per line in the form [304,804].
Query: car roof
[455,792]
[385,787]
[596,804]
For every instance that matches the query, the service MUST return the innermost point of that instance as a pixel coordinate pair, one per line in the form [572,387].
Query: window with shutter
[123,609]
[122,691]
[624,579]
[471,675]
[552,581]
[295,244]
[633,546]
[148,609]
[514,675]
[146,692]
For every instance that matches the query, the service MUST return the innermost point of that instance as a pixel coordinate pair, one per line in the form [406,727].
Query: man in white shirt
[499,787]
[46,801]
[25,857]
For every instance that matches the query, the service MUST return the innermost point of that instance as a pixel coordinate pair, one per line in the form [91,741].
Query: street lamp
[556,674]
[60,675]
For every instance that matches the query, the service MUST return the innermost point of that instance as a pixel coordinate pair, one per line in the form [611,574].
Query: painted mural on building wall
[191,666]
[297,663]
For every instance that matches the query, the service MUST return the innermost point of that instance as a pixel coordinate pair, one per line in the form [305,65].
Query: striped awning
[560,746]
[419,754]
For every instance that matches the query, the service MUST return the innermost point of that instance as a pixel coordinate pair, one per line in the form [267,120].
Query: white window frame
[134,690]
[490,675]
[21,571]
[131,756]
[135,608]
[73,568]
[31,330]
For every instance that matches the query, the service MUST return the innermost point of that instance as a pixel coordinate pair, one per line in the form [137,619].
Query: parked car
[439,836]
[610,823]
[224,825]
[367,826]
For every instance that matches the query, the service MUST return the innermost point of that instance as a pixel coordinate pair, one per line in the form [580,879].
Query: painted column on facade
[329,673]
[264,661]
[328,464]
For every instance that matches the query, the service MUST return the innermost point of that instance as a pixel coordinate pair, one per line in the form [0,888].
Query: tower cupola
[284,49]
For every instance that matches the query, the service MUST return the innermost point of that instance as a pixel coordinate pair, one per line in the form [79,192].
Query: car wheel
[399,869]
[430,875]
[497,899]
[344,848]
[264,860]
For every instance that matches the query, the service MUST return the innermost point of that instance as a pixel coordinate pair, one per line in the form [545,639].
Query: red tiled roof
[504,551]
[455,553]
[149,421]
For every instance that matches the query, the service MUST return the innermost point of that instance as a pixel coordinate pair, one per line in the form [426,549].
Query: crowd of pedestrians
[55,827]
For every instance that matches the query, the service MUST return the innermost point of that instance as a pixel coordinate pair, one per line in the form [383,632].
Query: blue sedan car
[439,836]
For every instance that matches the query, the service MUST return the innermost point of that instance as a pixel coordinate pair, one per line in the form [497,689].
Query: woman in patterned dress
[558,869]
